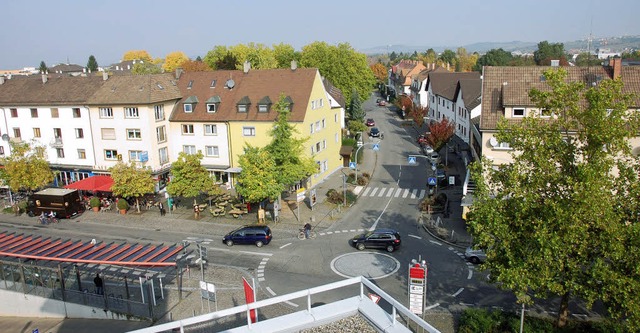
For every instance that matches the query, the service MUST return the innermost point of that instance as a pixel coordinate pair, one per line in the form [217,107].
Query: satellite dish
[5,137]
[230,83]
[493,142]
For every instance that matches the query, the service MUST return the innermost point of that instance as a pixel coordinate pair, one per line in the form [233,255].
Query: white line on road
[470,274]
[366,190]
[257,253]
[270,291]
[373,192]
[457,292]
[292,304]
[398,191]
[434,242]
[432,306]
[414,236]
[285,245]
[373,227]
[390,193]
[406,193]
[381,194]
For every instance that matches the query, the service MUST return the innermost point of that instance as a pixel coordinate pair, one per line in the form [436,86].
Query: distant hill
[616,44]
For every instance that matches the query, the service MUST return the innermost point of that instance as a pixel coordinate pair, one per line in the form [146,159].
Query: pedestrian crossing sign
[412,160]
[352,165]
[432,181]
[376,147]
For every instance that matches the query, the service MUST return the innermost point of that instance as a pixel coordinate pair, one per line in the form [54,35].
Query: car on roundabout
[475,256]
[387,239]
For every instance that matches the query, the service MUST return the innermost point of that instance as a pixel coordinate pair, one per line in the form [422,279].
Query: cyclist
[43,218]
[307,229]
[51,217]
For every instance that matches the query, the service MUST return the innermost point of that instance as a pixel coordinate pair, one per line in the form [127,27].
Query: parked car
[475,256]
[422,139]
[370,122]
[427,150]
[387,239]
[434,157]
[382,103]
[378,100]
[251,234]
[374,132]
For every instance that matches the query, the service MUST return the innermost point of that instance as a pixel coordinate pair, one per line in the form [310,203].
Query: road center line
[257,253]
[457,292]
[373,227]
[470,274]
[270,291]
[285,245]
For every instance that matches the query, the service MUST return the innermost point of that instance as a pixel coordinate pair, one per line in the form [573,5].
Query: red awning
[94,183]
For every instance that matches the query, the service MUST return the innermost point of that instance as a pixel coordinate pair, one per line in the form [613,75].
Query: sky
[61,31]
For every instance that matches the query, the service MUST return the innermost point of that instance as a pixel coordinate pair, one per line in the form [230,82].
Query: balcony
[56,143]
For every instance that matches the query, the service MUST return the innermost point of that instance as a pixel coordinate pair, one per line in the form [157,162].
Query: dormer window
[518,112]
[212,104]
[189,104]
[289,103]
[243,104]
[264,104]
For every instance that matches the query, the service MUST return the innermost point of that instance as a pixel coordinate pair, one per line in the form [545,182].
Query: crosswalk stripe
[393,192]
[398,193]
[373,192]
[422,193]
[406,192]
[414,193]
[364,194]
[390,193]
[382,192]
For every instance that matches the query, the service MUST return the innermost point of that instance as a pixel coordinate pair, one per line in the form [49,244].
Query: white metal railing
[307,293]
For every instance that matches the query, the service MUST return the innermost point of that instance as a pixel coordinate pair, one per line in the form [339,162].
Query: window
[311,128]
[79,133]
[110,154]
[106,113]
[337,137]
[161,134]
[134,134]
[76,112]
[242,108]
[323,123]
[36,132]
[54,113]
[14,113]
[324,144]
[210,129]
[16,133]
[134,155]
[34,113]
[317,146]
[108,133]
[158,110]
[187,129]
[57,133]
[249,131]
[335,118]
[131,112]
[60,152]
[211,151]
[188,108]
[317,126]
[82,155]
[163,155]
[545,113]
[211,108]
[519,112]
[189,149]
[263,108]
[1,150]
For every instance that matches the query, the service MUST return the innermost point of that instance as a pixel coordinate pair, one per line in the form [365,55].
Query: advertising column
[417,286]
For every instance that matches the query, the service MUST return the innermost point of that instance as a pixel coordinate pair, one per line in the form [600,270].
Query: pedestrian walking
[161,206]
[16,209]
[196,211]
[98,282]
[307,229]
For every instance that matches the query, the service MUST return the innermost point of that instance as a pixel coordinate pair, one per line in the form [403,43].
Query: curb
[421,223]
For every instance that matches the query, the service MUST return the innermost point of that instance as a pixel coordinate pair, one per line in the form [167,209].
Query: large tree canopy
[562,219]
[26,168]
[189,178]
[131,181]
[258,180]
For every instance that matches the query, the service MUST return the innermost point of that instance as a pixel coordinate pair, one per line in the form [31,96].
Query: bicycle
[301,234]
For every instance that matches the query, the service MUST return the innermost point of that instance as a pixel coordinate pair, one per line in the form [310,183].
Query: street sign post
[352,165]
[376,147]
[412,160]
[432,181]
[417,286]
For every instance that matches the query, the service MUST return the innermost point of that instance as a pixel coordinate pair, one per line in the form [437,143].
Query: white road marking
[292,304]
[375,189]
[422,193]
[257,253]
[470,274]
[261,279]
[432,306]
[405,194]
[329,232]
[414,194]
[434,242]
[373,227]
[458,292]
[390,193]
[352,230]
[270,291]
[414,236]
[398,191]
[336,232]
[364,194]
[285,245]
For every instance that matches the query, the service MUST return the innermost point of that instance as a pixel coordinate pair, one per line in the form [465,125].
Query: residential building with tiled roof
[336,99]
[69,69]
[240,105]
[419,84]
[505,95]
[402,73]
[130,122]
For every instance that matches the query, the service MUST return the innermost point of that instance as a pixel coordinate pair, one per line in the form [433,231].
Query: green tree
[258,179]
[341,65]
[587,59]
[356,126]
[355,109]
[284,54]
[142,68]
[562,218]
[26,168]
[43,67]
[287,151]
[190,179]
[494,57]
[549,51]
[214,56]
[92,64]
[229,62]
[131,181]
[448,57]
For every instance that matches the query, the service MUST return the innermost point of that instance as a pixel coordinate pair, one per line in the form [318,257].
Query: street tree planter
[123,206]
[94,202]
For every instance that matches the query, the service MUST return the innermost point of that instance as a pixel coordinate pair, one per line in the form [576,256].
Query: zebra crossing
[393,192]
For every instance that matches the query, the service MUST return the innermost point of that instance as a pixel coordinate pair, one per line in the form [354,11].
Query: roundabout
[371,265]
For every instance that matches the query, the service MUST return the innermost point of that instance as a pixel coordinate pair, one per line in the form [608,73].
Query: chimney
[294,65]
[616,63]
[178,73]
[44,78]
[246,67]
[1,79]
[128,67]
[105,76]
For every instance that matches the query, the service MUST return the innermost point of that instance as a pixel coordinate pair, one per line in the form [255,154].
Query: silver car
[475,256]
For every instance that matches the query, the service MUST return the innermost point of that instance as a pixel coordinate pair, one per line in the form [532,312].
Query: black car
[251,234]
[374,132]
[387,239]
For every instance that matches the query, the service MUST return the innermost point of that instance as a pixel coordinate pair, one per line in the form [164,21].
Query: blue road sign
[412,160]
[376,147]
[352,165]
[431,181]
